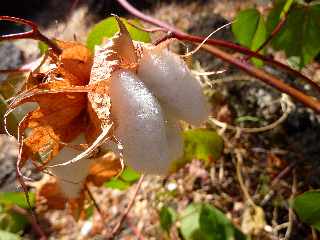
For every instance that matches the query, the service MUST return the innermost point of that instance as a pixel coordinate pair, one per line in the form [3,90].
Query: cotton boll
[170,80]
[140,125]
[71,177]
[174,137]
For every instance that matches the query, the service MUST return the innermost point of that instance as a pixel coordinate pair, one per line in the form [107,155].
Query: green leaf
[286,8]
[42,47]
[115,183]
[189,221]
[130,175]
[307,207]
[108,27]
[202,144]
[205,222]
[167,217]
[18,198]
[250,30]
[12,222]
[9,236]
[299,36]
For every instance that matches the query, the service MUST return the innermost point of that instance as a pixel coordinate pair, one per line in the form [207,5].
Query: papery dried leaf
[74,64]
[49,195]
[104,168]
[59,110]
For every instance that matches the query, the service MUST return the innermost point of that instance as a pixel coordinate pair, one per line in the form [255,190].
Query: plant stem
[267,78]
[34,33]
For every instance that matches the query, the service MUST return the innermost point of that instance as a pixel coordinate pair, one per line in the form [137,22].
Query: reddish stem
[267,78]
[273,81]
[34,33]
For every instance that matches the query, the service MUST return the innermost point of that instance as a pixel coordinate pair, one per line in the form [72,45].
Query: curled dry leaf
[131,94]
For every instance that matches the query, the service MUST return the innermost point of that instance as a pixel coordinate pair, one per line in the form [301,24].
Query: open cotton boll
[71,177]
[170,80]
[173,136]
[140,125]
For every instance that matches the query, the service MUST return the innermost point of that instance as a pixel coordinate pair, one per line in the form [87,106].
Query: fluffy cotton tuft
[170,80]
[71,177]
[140,124]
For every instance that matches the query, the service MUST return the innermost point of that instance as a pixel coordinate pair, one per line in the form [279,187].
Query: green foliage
[202,144]
[10,221]
[205,222]
[125,180]
[9,236]
[17,198]
[109,26]
[42,47]
[250,30]
[307,207]
[299,37]
[130,175]
[167,217]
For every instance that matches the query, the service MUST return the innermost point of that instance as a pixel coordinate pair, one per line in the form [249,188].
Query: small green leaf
[205,222]
[299,36]
[108,27]
[250,31]
[130,175]
[115,183]
[9,236]
[12,222]
[167,218]
[202,144]
[42,47]
[18,198]
[307,207]
[189,221]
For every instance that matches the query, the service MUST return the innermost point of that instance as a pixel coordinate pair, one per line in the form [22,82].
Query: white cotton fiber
[174,137]
[139,123]
[71,177]
[170,80]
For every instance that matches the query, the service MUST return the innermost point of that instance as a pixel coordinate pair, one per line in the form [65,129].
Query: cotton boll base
[71,177]
[170,80]
[140,125]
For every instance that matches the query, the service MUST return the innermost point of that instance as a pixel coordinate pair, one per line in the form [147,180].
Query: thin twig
[96,205]
[291,213]
[286,108]
[240,179]
[34,33]
[117,228]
